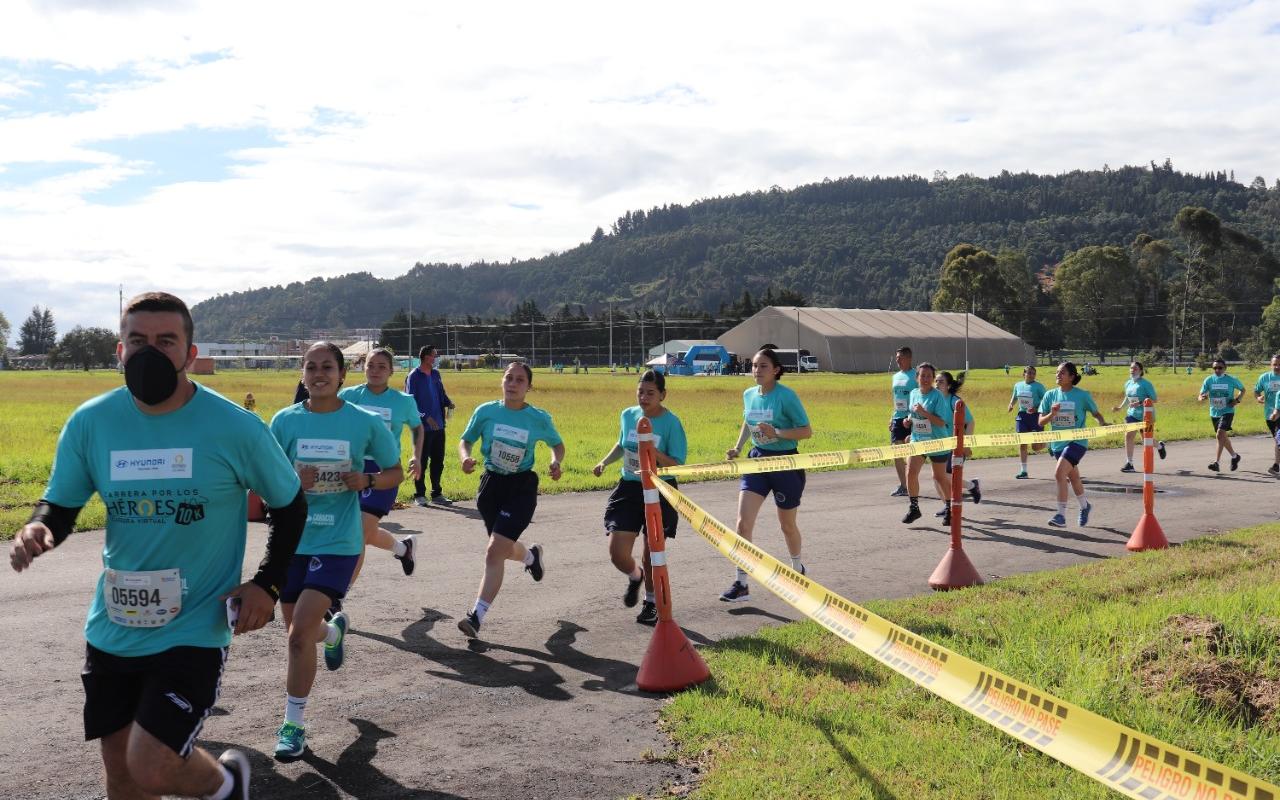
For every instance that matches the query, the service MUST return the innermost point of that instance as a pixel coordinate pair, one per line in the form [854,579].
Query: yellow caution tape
[1120,757]
[869,455]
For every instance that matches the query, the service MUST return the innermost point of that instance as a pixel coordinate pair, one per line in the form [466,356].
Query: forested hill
[852,242]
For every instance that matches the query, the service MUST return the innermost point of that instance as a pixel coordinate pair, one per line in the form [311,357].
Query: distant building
[677,346]
[864,340]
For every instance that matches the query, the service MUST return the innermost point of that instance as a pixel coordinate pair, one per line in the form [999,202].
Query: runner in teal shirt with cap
[1224,392]
[1267,392]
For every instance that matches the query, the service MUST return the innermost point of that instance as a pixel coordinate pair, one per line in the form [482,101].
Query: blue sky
[213,146]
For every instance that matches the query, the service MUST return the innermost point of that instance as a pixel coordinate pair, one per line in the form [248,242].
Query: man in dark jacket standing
[427,388]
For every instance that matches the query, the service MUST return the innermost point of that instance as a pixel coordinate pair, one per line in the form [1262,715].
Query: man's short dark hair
[904,350]
[161,301]
[425,350]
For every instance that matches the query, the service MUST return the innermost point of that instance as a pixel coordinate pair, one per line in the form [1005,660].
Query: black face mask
[150,376]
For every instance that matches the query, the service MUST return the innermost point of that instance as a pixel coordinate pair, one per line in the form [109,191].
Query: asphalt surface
[545,705]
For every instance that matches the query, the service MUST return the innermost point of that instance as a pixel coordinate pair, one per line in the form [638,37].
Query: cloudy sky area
[208,147]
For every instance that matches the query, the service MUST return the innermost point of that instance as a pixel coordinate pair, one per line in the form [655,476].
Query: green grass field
[1181,644]
[847,411]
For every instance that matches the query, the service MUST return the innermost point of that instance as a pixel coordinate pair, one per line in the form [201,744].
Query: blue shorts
[329,575]
[787,486]
[1133,419]
[506,502]
[1073,452]
[377,502]
[898,430]
[1028,422]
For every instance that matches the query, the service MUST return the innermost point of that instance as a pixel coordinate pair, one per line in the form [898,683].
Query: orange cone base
[671,663]
[955,571]
[1147,536]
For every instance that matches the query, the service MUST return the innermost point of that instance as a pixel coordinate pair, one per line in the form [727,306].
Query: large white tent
[864,340]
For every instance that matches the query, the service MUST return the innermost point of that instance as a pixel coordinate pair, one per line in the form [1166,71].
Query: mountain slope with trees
[851,242]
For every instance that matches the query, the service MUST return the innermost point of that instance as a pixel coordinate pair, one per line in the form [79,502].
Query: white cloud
[422,132]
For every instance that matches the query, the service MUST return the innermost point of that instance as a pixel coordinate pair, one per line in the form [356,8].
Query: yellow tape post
[870,455]
[1120,757]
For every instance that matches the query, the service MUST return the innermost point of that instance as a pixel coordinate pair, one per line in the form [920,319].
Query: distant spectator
[427,388]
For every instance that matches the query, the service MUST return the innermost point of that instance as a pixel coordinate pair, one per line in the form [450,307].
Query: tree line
[79,347]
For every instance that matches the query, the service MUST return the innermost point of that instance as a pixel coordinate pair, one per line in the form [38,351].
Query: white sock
[1082,500]
[224,791]
[481,609]
[294,708]
[650,598]
[740,575]
[796,564]
[399,549]
[1062,509]
[331,634]
[528,557]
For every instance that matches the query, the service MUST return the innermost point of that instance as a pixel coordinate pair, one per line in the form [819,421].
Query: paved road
[546,705]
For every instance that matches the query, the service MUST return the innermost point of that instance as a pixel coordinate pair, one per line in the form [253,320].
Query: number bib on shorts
[1066,416]
[142,599]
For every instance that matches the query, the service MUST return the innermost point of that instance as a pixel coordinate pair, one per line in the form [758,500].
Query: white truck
[797,360]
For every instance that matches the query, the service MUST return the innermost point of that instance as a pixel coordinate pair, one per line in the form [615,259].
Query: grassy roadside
[847,411]
[1182,644]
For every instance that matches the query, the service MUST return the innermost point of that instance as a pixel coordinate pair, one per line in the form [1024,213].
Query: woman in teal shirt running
[510,429]
[1065,407]
[1137,390]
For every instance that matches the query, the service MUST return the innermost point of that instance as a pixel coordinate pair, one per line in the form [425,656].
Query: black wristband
[60,520]
[263,583]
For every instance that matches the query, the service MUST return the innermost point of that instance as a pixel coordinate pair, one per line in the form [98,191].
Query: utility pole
[643,355]
[611,335]
[411,325]
[533,343]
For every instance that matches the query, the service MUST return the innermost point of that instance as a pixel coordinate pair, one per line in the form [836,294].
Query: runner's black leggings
[433,462]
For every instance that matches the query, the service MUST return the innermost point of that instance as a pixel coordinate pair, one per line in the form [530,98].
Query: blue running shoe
[1057,521]
[292,743]
[333,653]
[1022,475]
[736,593]
[1084,514]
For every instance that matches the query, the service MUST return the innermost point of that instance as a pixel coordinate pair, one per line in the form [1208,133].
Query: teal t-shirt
[668,438]
[334,443]
[175,487]
[1220,390]
[1135,392]
[936,403]
[903,382]
[1027,396]
[781,408]
[1268,384]
[968,412]
[1073,407]
[396,409]
[508,437]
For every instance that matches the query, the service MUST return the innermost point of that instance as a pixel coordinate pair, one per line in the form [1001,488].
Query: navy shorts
[1073,452]
[898,430]
[1222,423]
[1133,419]
[1028,422]
[1273,425]
[507,502]
[377,502]
[169,694]
[625,510]
[787,486]
[327,574]
[940,458]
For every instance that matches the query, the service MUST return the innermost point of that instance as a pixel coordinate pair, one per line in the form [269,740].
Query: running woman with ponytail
[396,410]
[328,439]
[1027,394]
[624,516]
[774,420]
[1137,390]
[509,430]
[1065,407]
[950,385]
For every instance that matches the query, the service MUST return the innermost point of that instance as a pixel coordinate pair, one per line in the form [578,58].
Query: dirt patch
[1188,654]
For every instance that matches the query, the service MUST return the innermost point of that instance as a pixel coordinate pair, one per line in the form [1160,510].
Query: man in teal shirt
[172,462]
[1224,392]
[1266,390]
[904,380]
